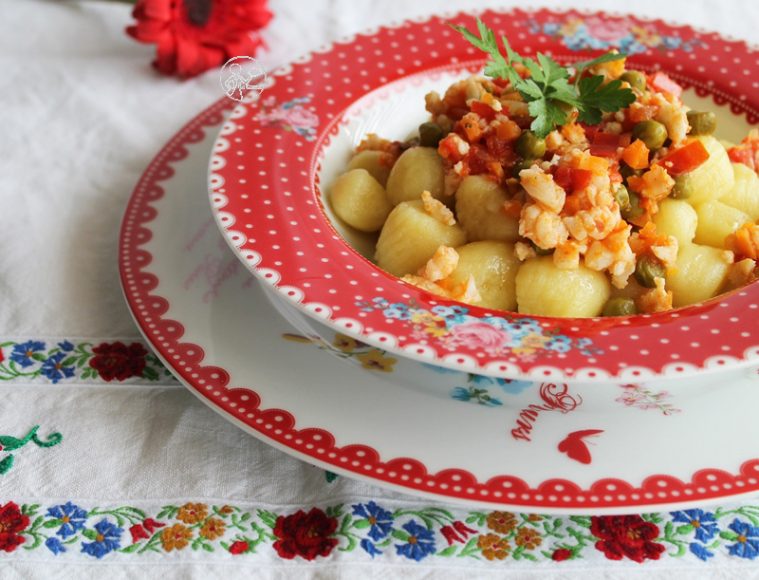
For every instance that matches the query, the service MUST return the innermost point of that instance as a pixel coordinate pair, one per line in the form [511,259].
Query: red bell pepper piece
[685,159]
[742,154]
[605,145]
[664,84]
[483,110]
[571,179]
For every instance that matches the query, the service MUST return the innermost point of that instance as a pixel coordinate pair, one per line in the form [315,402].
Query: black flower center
[198,11]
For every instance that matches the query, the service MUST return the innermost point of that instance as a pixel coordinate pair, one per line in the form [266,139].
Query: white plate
[212,325]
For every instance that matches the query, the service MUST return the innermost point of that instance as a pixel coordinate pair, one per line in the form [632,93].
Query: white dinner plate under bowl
[458,437]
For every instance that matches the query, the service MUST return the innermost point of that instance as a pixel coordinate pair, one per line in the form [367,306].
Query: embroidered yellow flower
[213,528]
[528,538]
[192,513]
[375,361]
[344,343]
[176,537]
[502,522]
[493,547]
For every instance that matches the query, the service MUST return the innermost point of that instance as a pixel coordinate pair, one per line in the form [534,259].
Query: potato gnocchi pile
[641,213]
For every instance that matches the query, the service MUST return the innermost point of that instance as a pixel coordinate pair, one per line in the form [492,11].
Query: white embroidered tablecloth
[117,470]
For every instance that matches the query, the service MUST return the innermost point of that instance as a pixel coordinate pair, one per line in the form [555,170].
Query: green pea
[633,210]
[530,146]
[652,133]
[623,198]
[647,270]
[635,79]
[541,251]
[519,166]
[619,307]
[430,134]
[702,122]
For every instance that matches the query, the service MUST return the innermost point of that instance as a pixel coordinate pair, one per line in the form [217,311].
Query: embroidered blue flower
[53,368]
[66,346]
[22,353]
[369,548]
[700,551]
[108,539]
[704,522]
[420,543]
[54,545]
[747,543]
[72,518]
[380,519]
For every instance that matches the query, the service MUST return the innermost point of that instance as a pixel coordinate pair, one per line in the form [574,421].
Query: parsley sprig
[547,91]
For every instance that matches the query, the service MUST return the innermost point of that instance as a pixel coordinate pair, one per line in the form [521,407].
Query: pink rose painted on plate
[290,116]
[480,335]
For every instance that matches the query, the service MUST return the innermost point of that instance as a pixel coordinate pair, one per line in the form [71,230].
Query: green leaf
[130,549]
[329,476]
[685,529]
[39,357]
[728,535]
[67,362]
[596,98]
[12,443]
[400,535]
[547,116]
[6,464]
[52,523]
[150,373]
[449,551]
[90,534]
[245,517]
[207,547]
[361,524]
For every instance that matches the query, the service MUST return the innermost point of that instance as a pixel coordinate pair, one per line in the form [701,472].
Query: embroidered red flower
[626,537]
[238,548]
[561,554]
[138,533]
[12,521]
[192,36]
[456,532]
[307,535]
[152,525]
[119,361]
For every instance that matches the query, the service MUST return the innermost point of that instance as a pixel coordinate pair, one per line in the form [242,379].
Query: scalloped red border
[375,49]
[242,404]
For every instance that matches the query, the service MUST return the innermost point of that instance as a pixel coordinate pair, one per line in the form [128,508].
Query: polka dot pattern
[285,202]
[243,404]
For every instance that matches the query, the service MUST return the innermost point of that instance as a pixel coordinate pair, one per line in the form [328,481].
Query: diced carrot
[685,159]
[662,83]
[598,165]
[507,129]
[636,155]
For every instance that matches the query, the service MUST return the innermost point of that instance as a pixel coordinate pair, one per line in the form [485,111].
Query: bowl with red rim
[278,153]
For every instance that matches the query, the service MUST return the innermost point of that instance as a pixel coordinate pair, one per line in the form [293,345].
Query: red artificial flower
[12,521]
[626,537]
[138,533]
[307,535]
[192,36]
[119,361]
[561,554]
[238,548]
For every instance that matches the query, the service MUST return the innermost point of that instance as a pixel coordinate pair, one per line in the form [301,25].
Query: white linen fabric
[82,115]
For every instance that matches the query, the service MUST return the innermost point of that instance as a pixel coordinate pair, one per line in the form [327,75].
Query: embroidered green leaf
[268,518]
[6,463]
[361,524]
[447,552]
[39,357]
[12,443]
[52,523]
[207,547]
[329,476]
[728,535]
[90,534]
[130,549]
[685,529]
[400,535]
[245,517]
[150,373]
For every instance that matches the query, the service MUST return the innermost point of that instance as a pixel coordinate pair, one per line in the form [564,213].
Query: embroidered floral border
[374,531]
[64,361]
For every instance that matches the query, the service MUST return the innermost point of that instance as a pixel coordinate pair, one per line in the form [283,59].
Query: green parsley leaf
[597,98]
[547,91]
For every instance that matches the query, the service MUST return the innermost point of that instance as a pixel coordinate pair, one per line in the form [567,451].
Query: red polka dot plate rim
[546,447]
[276,151]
